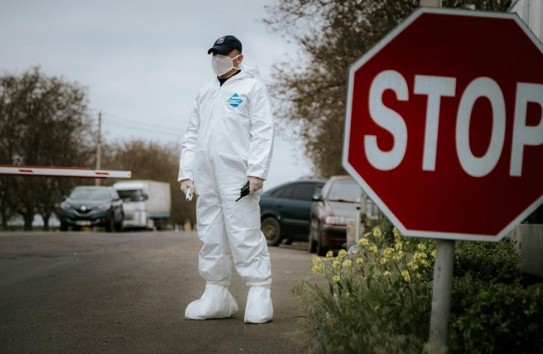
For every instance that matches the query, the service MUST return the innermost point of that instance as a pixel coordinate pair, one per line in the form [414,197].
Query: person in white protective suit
[228,143]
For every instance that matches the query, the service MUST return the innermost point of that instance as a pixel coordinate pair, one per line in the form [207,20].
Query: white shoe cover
[216,302]
[259,307]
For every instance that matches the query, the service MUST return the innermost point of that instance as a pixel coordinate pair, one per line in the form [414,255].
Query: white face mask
[222,64]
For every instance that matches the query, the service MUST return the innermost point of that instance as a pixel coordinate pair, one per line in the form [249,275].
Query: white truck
[146,204]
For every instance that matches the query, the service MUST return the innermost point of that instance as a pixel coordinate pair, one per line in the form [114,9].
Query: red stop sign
[444,124]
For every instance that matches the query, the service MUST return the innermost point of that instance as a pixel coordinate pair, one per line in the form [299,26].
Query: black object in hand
[244,191]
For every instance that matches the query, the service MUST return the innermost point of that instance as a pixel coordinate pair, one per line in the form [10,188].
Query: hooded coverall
[230,137]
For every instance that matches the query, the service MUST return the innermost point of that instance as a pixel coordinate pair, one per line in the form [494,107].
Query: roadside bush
[488,261]
[491,311]
[491,317]
[375,298]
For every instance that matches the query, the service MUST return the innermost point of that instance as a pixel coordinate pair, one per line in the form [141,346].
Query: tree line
[331,36]
[45,121]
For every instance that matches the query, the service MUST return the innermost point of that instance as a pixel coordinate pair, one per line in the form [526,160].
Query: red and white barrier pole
[62,172]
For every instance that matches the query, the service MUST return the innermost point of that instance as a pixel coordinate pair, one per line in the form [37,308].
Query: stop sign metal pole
[441,292]
[443,274]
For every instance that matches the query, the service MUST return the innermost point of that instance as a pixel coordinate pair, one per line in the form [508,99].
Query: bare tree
[331,35]
[152,161]
[43,122]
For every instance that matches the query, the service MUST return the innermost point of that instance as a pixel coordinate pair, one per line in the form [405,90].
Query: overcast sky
[142,62]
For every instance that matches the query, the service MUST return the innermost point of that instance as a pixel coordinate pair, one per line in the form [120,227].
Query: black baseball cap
[225,45]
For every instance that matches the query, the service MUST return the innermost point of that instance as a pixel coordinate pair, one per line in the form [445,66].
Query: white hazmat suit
[230,137]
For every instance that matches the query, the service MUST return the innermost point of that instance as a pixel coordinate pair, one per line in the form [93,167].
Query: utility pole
[430,3]
[99,147]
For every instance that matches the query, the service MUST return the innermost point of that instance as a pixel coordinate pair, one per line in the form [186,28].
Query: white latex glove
[185,185]
[255,184]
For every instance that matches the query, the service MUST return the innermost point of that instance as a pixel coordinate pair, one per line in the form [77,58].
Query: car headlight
[336,220]
[104,206]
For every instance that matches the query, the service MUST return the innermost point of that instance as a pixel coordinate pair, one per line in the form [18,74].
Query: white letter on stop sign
[388,119]
[522,134]
[473,165]
[435,87]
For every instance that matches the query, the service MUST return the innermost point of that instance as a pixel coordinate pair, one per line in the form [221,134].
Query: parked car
[285,210]
[333,207]
[92,206]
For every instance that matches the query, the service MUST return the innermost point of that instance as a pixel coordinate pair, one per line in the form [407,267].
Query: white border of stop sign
[435,88]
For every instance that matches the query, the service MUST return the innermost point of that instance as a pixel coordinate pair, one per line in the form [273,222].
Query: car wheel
[119,226]
[63,226]
[321,250]
[110,224]
[272,231]
[312,244]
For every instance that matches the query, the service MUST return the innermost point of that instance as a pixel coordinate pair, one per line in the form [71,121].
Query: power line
[141,127]
[116,120]
[127,120]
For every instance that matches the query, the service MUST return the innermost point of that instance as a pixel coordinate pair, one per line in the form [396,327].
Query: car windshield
[90,194]
[131,195]
[345,191]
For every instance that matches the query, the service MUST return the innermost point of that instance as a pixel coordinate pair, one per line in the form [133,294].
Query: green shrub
[488,261]
[491,311]
[374,298]
[491,317]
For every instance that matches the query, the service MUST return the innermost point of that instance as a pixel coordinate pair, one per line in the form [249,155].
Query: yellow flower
[373,248]
[341,254]
[336,265]
[398,256]
[387,252]
[336,279]
[330,254]
[347,263]
[377,232]
[396,233]
[386,273]
[383,261]
[318,262]
[360,261]
[363,242]
[421,247]
[318,266]
[406,276]
[412,265]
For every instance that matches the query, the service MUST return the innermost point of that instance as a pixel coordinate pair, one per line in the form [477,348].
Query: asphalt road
[95,292]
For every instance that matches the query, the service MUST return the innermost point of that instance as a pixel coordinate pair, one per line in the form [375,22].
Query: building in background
[531,12]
